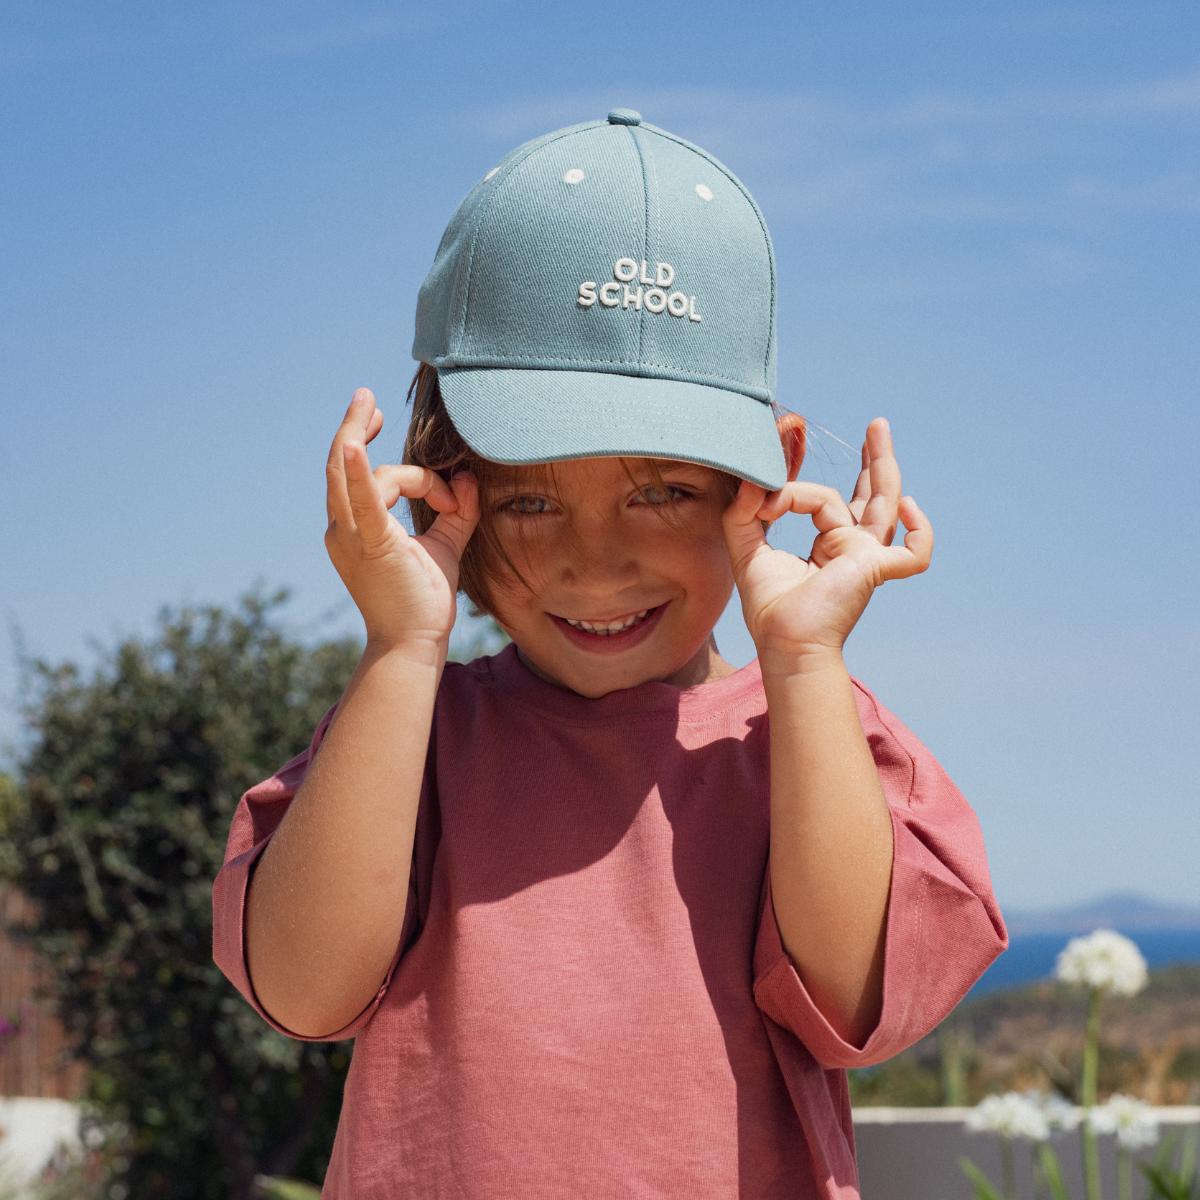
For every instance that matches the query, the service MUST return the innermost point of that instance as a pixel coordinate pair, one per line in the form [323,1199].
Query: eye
[515,505]
[684,494]
[511,506]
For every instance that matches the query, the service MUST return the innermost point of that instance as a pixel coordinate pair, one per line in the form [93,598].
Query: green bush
[115,825]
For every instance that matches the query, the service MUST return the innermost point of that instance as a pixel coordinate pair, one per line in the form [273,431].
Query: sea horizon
[1031,957]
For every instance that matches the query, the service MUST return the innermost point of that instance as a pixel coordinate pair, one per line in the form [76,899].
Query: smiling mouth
[646,616]
[608,620]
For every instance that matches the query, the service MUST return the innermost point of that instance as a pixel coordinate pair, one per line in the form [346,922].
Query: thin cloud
[952,156]
[743,112]
[1174,192]
[298,43]
[1174,94]
[1041,178]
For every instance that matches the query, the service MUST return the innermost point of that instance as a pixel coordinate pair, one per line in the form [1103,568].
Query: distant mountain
[1126,912]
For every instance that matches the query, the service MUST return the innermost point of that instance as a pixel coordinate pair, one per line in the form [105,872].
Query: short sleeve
[944,926]
[256,818]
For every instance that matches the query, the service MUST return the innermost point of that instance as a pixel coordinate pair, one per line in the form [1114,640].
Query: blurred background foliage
[115,825]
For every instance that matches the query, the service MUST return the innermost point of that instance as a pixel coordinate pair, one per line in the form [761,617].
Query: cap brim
[535,416]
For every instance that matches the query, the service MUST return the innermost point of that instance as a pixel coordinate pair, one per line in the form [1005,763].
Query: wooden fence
[33,1055]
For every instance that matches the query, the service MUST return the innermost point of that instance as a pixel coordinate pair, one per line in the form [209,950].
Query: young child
[606,915]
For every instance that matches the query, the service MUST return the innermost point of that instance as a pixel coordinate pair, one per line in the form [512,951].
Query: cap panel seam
[643,314]
[741,187]
[658,238]
[486,211]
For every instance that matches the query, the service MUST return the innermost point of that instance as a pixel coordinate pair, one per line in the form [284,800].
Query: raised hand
[797,607]
[404,585]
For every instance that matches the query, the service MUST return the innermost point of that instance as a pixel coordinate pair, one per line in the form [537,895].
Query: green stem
[1091,1068]
[1124,1174]
[1006,1163]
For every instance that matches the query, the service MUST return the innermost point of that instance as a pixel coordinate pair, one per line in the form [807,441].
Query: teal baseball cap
[607,289]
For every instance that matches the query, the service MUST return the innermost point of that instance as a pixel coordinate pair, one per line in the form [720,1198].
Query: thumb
[743,530]
[456,527]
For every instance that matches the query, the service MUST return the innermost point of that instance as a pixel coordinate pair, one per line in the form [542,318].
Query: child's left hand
[795,607]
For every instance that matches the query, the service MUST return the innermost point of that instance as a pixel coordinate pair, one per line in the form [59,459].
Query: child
[634,910]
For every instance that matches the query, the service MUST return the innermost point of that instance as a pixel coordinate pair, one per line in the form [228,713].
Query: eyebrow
[515,479]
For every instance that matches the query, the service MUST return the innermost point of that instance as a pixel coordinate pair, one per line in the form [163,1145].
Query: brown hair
[433,442]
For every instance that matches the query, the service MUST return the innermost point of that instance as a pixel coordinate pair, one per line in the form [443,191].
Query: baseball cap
[607,288]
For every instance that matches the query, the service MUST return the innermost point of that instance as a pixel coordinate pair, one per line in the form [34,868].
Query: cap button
[624,116]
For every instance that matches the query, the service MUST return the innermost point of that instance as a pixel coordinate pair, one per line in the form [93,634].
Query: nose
[601,555]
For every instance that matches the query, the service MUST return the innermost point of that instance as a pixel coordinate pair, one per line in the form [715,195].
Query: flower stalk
[1103,962]
[1091,1071]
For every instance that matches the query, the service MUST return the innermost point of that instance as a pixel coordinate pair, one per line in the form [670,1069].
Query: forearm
[327,900]
[831,841]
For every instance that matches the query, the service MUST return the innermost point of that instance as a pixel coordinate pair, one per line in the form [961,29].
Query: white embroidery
[616,292]
[490,174]
[703,191]
[574,175]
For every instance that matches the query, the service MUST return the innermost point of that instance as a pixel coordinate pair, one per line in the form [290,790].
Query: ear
[793,435]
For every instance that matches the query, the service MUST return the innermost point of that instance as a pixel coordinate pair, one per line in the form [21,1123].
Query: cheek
[530,555]
[699,551]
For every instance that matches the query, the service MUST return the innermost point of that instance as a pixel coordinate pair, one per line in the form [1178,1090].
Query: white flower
[1012,1115]
[1129,1118]
[1059,1113]
[1104,959]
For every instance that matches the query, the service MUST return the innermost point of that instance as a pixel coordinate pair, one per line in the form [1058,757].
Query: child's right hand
[404,586]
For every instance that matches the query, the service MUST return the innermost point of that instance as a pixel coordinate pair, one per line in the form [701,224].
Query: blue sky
[216,219]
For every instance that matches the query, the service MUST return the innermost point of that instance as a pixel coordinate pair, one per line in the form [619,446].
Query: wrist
[799,663]
[417,651]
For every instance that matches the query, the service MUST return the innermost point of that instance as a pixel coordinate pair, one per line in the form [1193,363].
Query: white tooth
[610,629]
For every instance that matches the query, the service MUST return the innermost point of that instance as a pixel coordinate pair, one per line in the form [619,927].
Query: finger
[917,552]
[744,534]
[375,424]
[879,513]
[825,504]
[369,517]
[354,425]
[862,485]
[373,427]
[414,483]
[455,527]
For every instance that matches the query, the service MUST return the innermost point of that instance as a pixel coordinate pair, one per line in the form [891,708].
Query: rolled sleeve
[944,927]
[255,820]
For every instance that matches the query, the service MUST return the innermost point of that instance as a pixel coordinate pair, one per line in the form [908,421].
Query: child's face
[622,558]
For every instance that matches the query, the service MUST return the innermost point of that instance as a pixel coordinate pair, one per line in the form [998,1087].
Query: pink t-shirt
[590,996]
